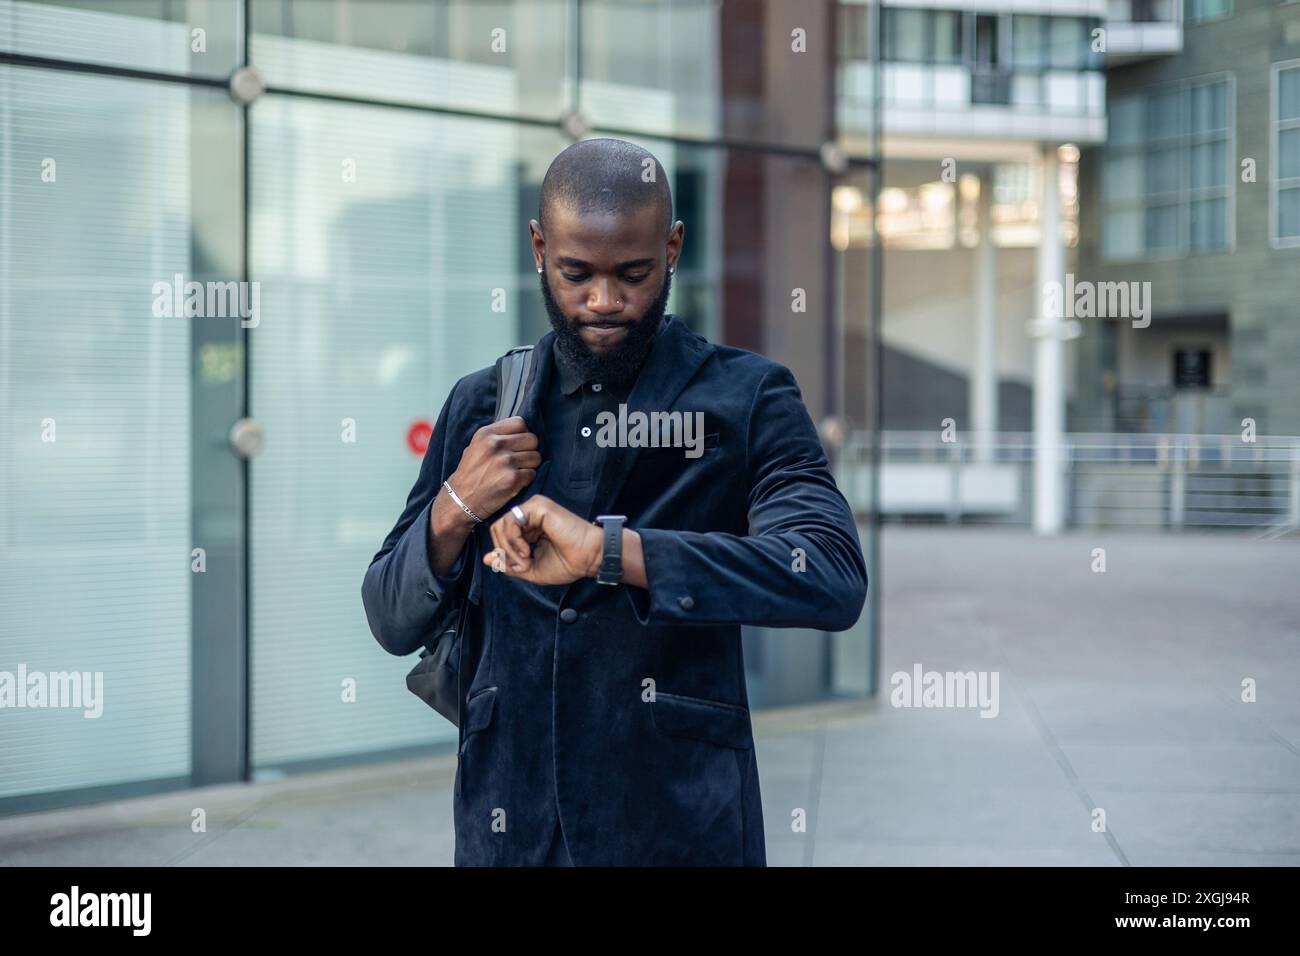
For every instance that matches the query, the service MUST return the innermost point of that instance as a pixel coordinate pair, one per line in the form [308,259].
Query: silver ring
[518,512]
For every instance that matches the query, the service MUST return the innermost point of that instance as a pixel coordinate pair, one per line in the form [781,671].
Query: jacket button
[686,602]
[568,615]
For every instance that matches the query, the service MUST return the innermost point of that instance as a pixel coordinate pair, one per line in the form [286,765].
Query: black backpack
[436,678]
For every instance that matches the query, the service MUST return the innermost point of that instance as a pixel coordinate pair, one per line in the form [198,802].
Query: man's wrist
[447,517]
[595,549]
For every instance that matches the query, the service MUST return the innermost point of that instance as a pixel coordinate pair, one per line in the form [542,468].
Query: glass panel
[707,69]
[95,536]
[947,37]
[1165,170]
[1165,114]
[1209,106]
[380,238]
[1288,213]
[1027,41]
[1164,231]
[191,39]
[1207,9]
[1288,153]
[1209,164]
[905,35]
[500,56]
[1125,121]
[1067,43]
[1123,233]
[1123,178]
[1288,88]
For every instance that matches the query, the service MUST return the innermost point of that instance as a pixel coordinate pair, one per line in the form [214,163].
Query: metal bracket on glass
[246,85]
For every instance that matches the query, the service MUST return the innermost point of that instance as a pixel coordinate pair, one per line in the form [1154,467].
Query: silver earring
[539,270]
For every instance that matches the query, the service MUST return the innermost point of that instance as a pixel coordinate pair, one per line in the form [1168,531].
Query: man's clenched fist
[501,460]
[553,546]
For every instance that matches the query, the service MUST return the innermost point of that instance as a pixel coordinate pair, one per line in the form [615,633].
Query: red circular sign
[417,436]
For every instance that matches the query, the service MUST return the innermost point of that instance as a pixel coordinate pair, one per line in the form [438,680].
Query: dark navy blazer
[631,719]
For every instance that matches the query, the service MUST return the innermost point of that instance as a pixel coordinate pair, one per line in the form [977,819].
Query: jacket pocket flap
[479,710]
[714,722]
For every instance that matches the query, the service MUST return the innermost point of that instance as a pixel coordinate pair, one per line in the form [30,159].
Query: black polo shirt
[570,410]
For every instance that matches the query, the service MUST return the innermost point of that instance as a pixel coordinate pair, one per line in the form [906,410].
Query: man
[606,719]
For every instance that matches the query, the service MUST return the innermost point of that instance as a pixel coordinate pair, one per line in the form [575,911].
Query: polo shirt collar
[570,376]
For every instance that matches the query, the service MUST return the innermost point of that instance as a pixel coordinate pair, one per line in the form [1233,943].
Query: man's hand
[502,460]
[555,546]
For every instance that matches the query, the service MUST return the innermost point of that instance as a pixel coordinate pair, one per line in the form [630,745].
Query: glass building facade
[371,180]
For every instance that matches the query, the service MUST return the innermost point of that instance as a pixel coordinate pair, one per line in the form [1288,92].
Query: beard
[619,365]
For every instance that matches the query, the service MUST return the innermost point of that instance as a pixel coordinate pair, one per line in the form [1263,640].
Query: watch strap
[611,561]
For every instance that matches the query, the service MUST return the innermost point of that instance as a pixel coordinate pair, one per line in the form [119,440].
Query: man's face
[605,283]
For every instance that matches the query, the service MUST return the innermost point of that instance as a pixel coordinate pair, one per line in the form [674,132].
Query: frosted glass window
[467,54]
[378,237]
[94,424]
[152,35]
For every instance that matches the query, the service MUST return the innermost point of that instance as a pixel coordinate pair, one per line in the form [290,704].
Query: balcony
[1141,29]
[959,101]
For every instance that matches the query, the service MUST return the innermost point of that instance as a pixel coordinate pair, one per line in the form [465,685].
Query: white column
[984,358]
[1049,392]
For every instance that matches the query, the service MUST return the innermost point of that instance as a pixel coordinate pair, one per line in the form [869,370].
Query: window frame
[1275,182]
[1185,195]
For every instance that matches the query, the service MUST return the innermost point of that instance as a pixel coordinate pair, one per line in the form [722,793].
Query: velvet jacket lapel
[676,356]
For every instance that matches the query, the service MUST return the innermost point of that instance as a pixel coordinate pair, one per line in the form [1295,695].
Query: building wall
[1256,285]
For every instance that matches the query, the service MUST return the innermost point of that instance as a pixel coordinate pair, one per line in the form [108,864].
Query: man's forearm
[449,529]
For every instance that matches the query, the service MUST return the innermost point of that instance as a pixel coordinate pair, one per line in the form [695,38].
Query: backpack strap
[514,372]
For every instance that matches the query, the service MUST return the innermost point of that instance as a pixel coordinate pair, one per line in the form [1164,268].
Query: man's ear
[538,242]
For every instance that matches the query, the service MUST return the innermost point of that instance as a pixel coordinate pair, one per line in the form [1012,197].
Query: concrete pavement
[1117,691]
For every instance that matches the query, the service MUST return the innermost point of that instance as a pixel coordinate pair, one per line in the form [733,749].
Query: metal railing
[1113,480]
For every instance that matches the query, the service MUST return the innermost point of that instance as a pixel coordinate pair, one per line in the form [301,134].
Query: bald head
[606,176]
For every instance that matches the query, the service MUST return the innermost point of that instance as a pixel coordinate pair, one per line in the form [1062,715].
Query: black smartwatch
[611,560]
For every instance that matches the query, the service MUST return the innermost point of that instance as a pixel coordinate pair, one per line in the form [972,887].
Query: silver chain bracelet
[463,507]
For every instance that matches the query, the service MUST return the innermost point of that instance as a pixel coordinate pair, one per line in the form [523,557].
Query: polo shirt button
[568,615]
[596,387]
[586,432]
[687,602]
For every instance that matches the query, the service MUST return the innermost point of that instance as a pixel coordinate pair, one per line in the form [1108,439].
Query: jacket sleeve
[402,595]
[801,564]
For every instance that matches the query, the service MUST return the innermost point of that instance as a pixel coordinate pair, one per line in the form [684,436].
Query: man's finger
[516,547]
[526,459]
[517,441]
[495,554]
[509,426]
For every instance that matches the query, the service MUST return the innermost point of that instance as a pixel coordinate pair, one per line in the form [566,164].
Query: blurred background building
[188,504]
